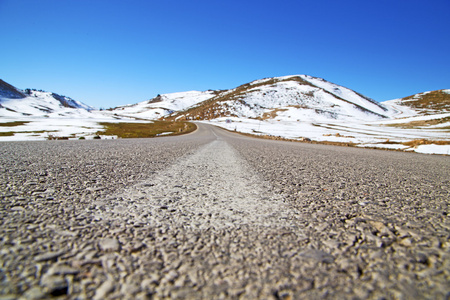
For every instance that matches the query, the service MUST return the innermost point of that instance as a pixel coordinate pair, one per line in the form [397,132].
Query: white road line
[211,188]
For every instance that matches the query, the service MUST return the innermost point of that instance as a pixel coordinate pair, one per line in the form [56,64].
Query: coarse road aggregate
[217,215]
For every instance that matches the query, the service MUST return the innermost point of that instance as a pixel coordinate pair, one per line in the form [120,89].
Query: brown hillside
[430,101]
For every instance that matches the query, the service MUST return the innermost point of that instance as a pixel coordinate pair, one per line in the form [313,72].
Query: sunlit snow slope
[163,105]
[33,103]
[37,115]
[299,97]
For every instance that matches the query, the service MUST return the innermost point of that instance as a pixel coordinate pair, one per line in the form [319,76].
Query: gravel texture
[215,215]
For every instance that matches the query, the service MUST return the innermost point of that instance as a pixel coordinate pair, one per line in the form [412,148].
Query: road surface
[216,215]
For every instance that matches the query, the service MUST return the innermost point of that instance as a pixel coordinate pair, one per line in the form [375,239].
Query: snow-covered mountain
[298,97]
[38,115]
[163,105]
[33,103]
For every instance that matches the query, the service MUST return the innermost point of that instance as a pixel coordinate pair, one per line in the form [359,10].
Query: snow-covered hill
[33,103]
[36,115]
[298,97]
[163,105]
[427,103]
[42,104]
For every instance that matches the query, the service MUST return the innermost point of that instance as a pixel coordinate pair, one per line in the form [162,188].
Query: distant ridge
[9,91]
[295,97]
[17,103]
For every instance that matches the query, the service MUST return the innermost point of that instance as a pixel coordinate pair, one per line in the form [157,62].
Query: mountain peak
[9,91]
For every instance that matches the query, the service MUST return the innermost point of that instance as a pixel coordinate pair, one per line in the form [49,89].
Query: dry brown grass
[13,124]
[9,133]
[146,130]
[273,113]
[422,123]
[435,100]
[419,142]
[18,123]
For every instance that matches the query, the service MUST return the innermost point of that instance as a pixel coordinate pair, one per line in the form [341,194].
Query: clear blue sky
[108,52]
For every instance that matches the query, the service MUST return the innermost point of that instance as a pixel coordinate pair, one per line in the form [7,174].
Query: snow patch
[433,149]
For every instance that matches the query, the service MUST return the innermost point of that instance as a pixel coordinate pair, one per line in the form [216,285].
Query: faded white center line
[214,187]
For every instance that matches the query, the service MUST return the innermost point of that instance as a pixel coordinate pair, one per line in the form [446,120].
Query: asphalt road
[216,215]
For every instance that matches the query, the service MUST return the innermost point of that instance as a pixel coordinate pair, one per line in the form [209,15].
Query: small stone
[131,286]
[182,293]
[9,297]
[322,214]
[427,273]
[406,242]
[104,289]
[380,226]
[171,276]
[62,270]
[152,279]
[284,295]
[317,255]
[67,233]
[345,264]
[17,208]
[422,258]
[80,263]
[322,227]
[376,255]
[56,285]
[332,244]
[48,256]
[8,195]
[34,293]
[109,244]
[135,247]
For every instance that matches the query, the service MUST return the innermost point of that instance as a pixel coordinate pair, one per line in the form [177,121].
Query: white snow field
[371,135]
